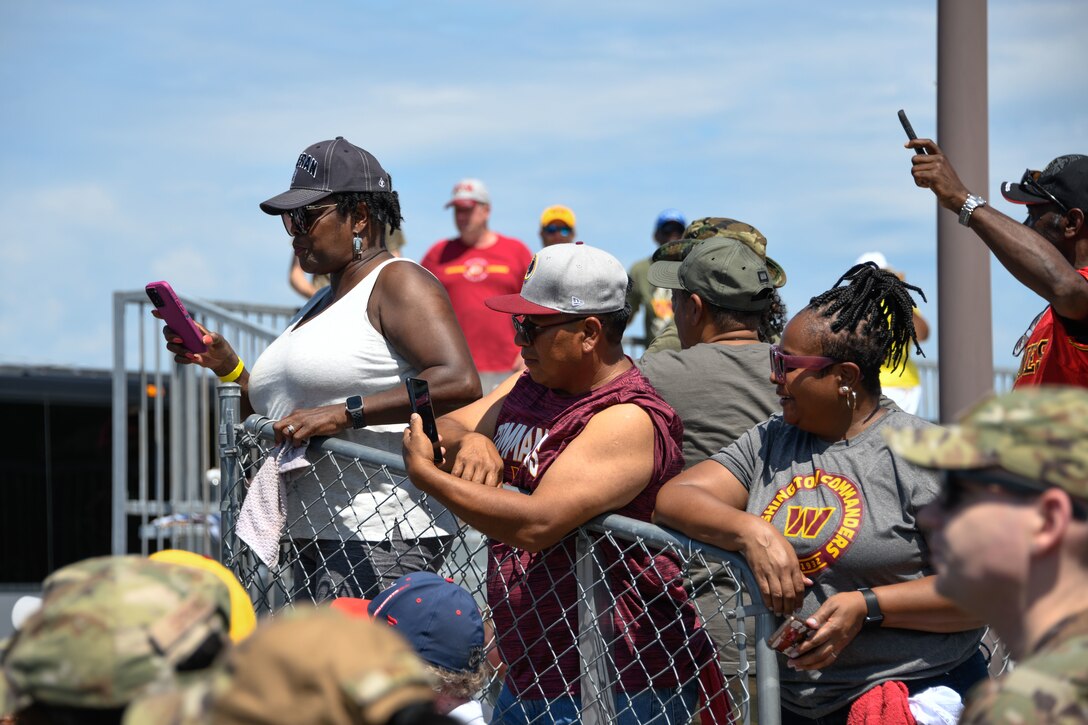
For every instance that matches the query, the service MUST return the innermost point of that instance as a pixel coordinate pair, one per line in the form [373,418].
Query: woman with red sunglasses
[826,515]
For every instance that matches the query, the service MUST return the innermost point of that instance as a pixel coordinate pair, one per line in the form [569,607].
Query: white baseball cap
[468,192]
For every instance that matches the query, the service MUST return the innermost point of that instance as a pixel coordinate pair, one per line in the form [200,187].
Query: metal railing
[600,553]
[164,451]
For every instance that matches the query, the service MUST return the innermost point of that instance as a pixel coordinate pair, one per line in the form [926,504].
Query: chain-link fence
[629,621]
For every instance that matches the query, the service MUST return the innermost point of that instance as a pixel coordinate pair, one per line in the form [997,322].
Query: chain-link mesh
[612,625]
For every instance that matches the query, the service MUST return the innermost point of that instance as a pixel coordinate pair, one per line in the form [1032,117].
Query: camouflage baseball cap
[1039,434]
[318,664]
[706,228]
[109,628]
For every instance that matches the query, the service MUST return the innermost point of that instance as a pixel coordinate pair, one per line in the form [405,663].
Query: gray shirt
[719,391]
[850,510]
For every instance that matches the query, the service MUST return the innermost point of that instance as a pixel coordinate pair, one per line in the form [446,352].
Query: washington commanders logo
[477,269]
[531,268]
[832,529]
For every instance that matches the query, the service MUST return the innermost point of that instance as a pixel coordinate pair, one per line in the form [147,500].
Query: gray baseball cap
[722,271]
[328,167]
[574,279]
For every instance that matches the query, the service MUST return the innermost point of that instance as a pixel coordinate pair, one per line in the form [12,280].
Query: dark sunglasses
[528,330]
[954,493]
[782,363]
[1029,183]
[301,220]
[557,229]
[1023,341]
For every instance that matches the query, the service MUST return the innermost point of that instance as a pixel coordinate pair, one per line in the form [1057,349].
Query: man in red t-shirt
[473,266]
[1048,253]
[581,433]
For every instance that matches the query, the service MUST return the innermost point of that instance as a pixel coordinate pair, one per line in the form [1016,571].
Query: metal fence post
[230,411]
[594,636]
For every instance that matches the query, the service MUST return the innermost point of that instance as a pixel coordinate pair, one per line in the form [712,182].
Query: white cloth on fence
[936,706]
[264,512]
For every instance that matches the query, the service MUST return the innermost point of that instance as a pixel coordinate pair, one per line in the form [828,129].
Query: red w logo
[805,521]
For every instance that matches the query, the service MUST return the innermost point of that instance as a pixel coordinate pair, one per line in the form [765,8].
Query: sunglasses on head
[301,220]
[557,229]
[954,492]
[782,363]
[528,330]
[1029,183]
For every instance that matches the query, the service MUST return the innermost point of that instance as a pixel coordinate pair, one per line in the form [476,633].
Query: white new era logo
[575,302]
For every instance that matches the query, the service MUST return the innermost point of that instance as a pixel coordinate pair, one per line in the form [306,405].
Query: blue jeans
[673,706]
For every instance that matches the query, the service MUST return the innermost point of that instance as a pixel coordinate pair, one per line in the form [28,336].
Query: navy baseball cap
[328,167]
[439,618]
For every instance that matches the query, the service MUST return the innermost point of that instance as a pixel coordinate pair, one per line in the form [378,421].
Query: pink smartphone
[176,316]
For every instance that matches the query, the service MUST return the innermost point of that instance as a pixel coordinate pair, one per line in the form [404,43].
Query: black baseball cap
[1065,179]
[327,167]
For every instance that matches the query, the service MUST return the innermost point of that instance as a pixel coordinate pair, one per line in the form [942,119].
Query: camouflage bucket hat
[109,628]
[1039,434]
[318,664]
[706,228]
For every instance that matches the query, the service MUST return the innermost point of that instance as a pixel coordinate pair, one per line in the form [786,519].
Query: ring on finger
[290,429]
[834,655]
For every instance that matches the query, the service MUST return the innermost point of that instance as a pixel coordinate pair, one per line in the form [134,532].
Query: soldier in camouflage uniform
[305,666]
[109,629]
[1010,543]
[700,230]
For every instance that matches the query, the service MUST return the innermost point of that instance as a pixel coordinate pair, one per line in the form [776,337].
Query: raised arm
[1028,256]
[707,502]
[602,469]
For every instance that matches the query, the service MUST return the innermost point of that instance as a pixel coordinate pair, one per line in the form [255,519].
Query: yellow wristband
[235,373]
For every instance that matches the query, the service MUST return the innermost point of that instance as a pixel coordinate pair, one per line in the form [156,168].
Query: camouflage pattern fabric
[1050,686]
[109,628]
[313,664]
[1039,434]
[706,228]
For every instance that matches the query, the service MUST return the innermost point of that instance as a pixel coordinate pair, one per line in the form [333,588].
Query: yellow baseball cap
[557,213]
[243,619]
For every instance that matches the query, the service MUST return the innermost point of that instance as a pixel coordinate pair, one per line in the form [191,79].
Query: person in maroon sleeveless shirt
[580,433]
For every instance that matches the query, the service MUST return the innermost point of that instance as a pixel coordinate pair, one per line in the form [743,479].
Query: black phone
[419,397]
[909,129]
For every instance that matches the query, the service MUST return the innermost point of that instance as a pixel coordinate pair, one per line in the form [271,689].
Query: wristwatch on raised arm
[873,616]
[355,410]
[973,202]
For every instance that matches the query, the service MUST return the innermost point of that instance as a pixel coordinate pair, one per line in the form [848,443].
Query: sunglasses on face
[954,492]
[528,330]
[782,363]
[556,229]
[1029,183]
[301,220]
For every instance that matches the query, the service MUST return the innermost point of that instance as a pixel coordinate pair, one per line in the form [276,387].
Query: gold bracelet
[235,373]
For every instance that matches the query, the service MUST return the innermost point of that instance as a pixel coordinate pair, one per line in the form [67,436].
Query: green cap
[724,272]
[1039,434]
[708,228]
[109,628]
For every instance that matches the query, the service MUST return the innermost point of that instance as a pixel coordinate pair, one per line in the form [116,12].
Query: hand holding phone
[909,129]
[176,316]
[419,397]
[790,635]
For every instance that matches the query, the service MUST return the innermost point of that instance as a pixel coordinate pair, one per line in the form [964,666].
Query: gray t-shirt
[850,510]
[719,391]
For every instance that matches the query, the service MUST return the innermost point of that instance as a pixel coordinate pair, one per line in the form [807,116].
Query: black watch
[873,616]
[355,410]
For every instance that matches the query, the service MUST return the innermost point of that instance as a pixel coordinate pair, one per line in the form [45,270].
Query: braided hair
[384,206]
[872,321]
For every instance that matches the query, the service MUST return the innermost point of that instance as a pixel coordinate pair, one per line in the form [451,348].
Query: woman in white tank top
[381,319]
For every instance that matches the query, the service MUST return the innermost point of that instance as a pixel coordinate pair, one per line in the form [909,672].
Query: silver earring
[357,247]
[853,399]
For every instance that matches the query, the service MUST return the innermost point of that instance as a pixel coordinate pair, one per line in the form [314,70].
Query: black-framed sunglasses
[528,330]
[781,363]
[301,220]
[954,494]
[557,229]
[1029,183]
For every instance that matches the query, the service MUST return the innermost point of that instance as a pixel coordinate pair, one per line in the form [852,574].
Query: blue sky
[141,136]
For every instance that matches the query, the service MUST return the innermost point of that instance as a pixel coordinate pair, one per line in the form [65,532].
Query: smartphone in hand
[419,397]
[909,129]
[176,316]
[790,635]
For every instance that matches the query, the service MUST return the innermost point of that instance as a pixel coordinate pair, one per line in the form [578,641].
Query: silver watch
[973,202]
